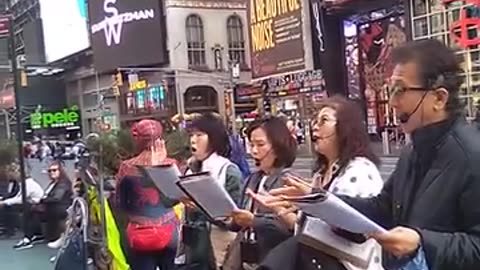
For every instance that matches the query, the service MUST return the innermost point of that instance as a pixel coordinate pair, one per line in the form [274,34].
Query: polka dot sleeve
[361,178]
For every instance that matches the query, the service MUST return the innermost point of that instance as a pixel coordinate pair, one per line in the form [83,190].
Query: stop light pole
[8,19]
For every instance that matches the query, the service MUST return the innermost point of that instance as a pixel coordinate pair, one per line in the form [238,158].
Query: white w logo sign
[113,30]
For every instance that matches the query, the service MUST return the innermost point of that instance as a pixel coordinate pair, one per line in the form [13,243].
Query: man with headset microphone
[429,202]
[429,205]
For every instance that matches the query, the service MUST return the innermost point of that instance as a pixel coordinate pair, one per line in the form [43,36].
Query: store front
[294,97]
[368,31]
[456,23]
[61,124]
[147,96]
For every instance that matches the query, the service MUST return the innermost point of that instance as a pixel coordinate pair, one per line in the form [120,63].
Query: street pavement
[38,257]
[303,166]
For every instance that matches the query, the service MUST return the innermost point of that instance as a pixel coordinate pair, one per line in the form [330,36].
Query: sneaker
[57,243]
[37,239]
[25,243]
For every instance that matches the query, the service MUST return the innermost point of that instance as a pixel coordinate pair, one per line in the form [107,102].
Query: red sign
[459,29]
[4,26]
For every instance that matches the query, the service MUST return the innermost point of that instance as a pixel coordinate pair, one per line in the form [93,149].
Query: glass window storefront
[151,99]
[434,19]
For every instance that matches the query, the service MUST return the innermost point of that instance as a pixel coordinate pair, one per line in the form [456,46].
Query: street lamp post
[8,19]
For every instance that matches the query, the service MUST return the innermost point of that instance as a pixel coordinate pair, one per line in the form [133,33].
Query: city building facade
[455,23]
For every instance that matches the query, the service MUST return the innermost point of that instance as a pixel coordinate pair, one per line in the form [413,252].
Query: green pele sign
[65,118]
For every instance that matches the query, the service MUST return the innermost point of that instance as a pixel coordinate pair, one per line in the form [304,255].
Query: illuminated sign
[140,85]
[67,117]
[126,33]
[112,24]
[469,17]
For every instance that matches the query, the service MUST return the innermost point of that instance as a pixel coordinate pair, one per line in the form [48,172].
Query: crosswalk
[303,166]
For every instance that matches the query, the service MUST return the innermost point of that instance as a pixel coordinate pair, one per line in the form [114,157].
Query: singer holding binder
[210,149]
[259,229]
[345,165]
[430,203]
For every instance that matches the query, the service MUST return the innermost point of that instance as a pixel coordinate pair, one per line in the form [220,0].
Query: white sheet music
[209,194]
[339,214]
[165,179]
[327,241]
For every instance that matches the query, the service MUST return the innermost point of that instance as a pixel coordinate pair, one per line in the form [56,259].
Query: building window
[434,19]
[195,41]
[236,41]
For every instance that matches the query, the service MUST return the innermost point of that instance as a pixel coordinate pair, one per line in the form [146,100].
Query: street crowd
[427,206]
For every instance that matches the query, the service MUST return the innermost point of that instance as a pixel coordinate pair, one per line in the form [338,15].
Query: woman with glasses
[52,208]
[345,165]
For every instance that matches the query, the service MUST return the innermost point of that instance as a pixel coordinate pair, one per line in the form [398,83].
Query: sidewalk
[36,258]
[303,150]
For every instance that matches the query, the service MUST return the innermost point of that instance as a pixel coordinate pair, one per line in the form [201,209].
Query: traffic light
[116,91]
[119,78]
[23,78]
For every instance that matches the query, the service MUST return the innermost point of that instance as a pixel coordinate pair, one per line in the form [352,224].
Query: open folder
[336,213]
[165,178]
[208,194]
[317,234]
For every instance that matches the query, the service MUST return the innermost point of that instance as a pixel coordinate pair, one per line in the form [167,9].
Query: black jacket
[269,229]
[60,197]
[435,189]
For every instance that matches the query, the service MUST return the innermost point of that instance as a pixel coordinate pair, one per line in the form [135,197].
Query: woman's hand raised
[293,186]
[276,204]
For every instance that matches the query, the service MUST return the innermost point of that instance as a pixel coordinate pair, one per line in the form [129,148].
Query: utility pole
[8,19]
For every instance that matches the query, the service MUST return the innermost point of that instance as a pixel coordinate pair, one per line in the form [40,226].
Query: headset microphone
[404,117]
[259,160]
[317,138]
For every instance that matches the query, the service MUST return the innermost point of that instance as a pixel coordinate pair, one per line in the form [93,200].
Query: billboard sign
[68,117]
[65,30]
[127,33]
[276,37]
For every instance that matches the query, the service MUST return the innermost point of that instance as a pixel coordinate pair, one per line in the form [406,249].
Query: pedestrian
[11,204]
[51,210]
[153,227]
[430,203]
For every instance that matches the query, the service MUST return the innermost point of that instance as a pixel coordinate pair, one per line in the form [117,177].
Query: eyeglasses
[398,89]
[52,170]
[324,120]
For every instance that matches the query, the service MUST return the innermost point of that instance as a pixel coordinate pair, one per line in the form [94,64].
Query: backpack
[238,155]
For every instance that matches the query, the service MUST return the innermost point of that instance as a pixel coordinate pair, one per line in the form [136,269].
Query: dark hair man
[430,203]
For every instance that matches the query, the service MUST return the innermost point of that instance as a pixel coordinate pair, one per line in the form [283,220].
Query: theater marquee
[276,37]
